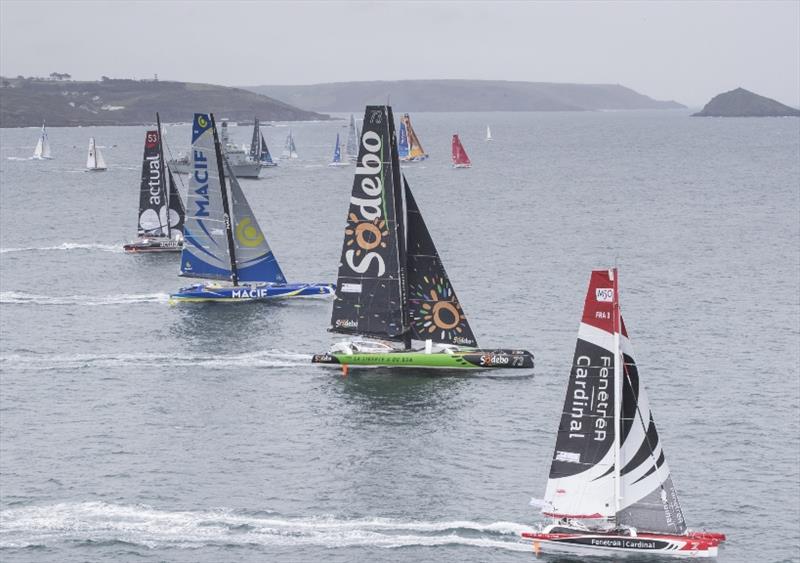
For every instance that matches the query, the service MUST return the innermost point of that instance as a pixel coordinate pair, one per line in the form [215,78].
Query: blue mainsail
[205,251]
[337,151]
[402,145]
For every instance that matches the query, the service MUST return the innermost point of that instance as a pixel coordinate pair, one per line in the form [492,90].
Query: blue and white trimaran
[222,239]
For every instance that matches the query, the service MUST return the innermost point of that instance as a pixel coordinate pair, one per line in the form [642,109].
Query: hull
[337,164]
[95,169]
[216,293]
[152,246]
[462,166]
[240,169]
[611,544]
[467,359]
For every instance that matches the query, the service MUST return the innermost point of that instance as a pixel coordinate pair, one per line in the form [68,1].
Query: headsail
[460,158]
[402,145]
[352,140]
[205,249]
[370,289]
[255,142]
[434,311]
[42,149]
[289,150]
[177,212]
[265,157]
[415,150]
[583,477]
[254,259]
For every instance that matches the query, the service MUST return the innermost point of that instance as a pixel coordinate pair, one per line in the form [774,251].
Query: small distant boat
[402,142]
[610,491]
[460,158]
[415,151]
[337,155]
[95,161]
[258,148]
[222,238]
[488,133]
[161,211]
[289,150]
[392,287]
[351,148]
[42,150]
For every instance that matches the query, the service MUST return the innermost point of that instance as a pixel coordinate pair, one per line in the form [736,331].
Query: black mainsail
[599,433]
[255,142]
[392,284]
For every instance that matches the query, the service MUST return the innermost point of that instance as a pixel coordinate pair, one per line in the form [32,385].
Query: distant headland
[744,103]
[463,95]
[26,102]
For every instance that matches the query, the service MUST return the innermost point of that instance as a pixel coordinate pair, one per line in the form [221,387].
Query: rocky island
[26,102]
[744,103]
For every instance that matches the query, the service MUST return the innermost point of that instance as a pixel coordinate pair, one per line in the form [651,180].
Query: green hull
[472,359]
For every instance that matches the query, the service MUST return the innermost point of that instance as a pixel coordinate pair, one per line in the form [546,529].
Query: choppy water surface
[135,430]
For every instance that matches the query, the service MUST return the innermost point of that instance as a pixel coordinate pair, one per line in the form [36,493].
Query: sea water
[136,430]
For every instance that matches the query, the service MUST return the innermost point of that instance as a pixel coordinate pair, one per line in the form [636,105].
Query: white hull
[545,547]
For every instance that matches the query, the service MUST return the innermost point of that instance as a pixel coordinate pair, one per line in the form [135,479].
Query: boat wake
[67,246]
[46,362]
[22,298]
[103,523]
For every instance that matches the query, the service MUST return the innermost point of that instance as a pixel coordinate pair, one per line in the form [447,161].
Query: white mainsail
[42,150]
[488,133]
[95,160]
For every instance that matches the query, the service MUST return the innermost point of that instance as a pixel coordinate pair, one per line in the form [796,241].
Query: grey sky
[685,51]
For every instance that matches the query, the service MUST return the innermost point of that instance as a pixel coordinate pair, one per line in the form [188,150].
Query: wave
[67,246]
[22,298]
[261,359]
[100,522]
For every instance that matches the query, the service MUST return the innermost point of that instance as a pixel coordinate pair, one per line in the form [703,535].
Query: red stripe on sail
[598,309]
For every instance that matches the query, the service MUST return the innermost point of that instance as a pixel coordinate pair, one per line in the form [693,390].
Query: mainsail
[153,220]
[370,289]
[42,149]
[215,246]
[415,151]
[351,148]
[95,160]
[289,150]
[255,142]
[402,144]
[337,152]
[460,158]
[434,311]
[392,283]
[488,133]
[608,461]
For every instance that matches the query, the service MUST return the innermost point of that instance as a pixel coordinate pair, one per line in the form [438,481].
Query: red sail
[460,158]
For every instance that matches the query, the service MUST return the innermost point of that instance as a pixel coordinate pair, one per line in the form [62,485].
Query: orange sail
[415,150]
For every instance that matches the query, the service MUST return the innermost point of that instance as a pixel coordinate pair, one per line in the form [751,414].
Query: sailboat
[392,287]
[222,238]
[161,211]
[488,133]
[42,150]
[402,142]
[337,155]
[415,151]
[610,490]
[460,158]
[351,148]
[95,161]
[258,148]
[289,150]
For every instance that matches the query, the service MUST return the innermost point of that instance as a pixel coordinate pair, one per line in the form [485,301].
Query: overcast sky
[686,51]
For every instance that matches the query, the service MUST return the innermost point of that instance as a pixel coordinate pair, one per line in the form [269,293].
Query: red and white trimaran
[610,490]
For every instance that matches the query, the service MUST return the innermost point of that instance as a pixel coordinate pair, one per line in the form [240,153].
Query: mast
[163,178]
[225,206]
[617,396]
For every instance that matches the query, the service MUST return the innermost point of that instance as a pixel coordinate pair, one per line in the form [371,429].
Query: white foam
[260,359]
[67,246]
[23,298]
[143,525]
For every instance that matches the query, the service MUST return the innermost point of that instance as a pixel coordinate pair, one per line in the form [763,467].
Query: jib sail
[584,482]
[415,150]
[434,311]
[370,289]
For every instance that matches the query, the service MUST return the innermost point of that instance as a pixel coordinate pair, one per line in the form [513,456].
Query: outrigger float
[610,491]
[222,239]
[392,287]
[161,211]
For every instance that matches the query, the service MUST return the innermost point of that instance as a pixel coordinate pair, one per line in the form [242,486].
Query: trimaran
[161,210]
[610,490]
[222,239]
[392,287]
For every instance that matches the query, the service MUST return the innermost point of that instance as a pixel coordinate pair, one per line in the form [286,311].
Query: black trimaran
[161,211]
[392,287]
